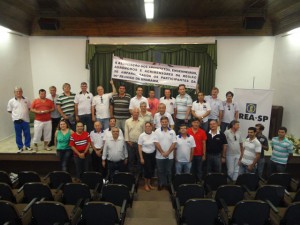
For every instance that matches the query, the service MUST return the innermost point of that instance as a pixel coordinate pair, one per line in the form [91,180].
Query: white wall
[286,80]
[15,70]
[240,59]
[58,60]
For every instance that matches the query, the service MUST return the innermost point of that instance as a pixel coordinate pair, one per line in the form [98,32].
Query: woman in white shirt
[147,154]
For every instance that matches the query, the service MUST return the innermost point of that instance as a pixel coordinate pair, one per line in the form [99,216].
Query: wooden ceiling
[114,18]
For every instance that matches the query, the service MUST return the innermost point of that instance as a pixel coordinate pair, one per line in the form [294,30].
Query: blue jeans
[223,126]
[104,122]
[260,167]
[64,157]
[204,126]
[197,166]
[87,120]
[213,163]
[244,169]
[277,167]
[164,170]
[82,165]
[22,126]
[183,167]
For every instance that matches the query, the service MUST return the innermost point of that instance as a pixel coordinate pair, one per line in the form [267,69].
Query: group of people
[114,132]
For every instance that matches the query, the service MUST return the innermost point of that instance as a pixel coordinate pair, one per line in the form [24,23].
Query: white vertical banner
[255,106]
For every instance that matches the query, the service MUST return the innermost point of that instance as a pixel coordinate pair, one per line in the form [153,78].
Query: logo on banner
[251,109]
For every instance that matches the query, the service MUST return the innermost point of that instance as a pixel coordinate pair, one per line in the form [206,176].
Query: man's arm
[76,112]
[114,90]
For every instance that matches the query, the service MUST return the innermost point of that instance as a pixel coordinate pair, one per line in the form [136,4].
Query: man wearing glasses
[234,149]
[231,111]
[100,105]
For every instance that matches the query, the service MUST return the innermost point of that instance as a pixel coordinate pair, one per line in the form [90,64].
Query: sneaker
[20,150]
[47,148]
[28,148]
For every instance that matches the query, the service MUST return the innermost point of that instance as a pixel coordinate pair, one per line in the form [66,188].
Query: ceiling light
[149,9]
[4,29]
[295,31]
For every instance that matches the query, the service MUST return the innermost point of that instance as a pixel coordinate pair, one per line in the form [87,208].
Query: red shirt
[199,137]
[80,142]
[44,105]
[153,105]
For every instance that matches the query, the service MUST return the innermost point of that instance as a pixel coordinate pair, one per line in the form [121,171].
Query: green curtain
[99,60]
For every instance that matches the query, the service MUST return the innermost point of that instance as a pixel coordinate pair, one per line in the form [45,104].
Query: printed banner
[144,72]
[255,106]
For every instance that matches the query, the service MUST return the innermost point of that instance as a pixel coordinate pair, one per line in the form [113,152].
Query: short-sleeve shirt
[201,108]
[55,113]
[80,142]
[108,134]
[135,102]
[63,140]
[40,105]
[157,117]
[121,106]
[264,142]
[165,139]
[182,104]
[101,104]
[147,142]
[251,147]
[281,150]
[216,106]
[66,103]
[133,129]
[147,117]
[184,147]
[199,137]
[84,102]
[97,138]
[170,104]
[19,108]
[229,111]
[234,141]
[214,143]
[153,105]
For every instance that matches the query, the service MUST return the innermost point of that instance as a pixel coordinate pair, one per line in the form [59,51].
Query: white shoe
[28,148]
[47,148]
[20,150]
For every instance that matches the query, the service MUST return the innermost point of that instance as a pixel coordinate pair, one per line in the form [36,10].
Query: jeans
[260,167]
[277,167]
[232,163]
[104,122]
[134,164]
[87,120]
[244,169]
[164,170]
[20,127]
[183,167]
[82,165]
[55,122]
[223,126]
[64,157]
[213,163]
[197,166]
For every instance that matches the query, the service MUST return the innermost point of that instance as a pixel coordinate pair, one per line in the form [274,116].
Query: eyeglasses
[101,99]
[228,107]
[234,137]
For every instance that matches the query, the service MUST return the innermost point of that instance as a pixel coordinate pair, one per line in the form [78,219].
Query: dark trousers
[55,122]
[277,167]
[87,120]
[197,167]
[213,163]
[134,164]
[115,166]
[22,127]
[164,169]
[149,164]
[97,164]
[82,165]
[64,157]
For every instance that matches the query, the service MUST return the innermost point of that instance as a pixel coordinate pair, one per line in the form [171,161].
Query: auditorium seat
[9,194]
[283,179]
[286,216]
[229,194]
[117,194]
[5,178]
[212,181]
[73,193]
[94,180]
[128,179]
[57,179]
[178,179]
[249,181]
[27,176]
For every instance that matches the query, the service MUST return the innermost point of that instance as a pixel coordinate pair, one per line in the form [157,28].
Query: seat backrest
[251,212]
[115,194]
[73,192]
[292,214]
[99,213]
[283,179]
[59,177]
[200,211]
[28,176]
[36,190]
[9,213]
[6,193]
[231,194]
[189,191]
[250,180]
[127,179]
[214,180]
[49,213]
[297,196]
[92,179]
[273,193]
[4,178]
[184,178]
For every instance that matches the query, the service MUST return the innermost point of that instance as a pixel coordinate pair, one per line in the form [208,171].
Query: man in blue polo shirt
[282,151]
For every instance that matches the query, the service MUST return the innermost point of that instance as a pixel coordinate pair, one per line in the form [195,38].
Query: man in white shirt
[83,107]
[169,101]
[165,145]
[108,133]
[19,107]
[201,110]
[162,112]
[184,151]
[230,113]
[115,153]
[136,100]
[100,105]
[251,152]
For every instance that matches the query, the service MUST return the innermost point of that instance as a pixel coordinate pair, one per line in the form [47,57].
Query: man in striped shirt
[282,151]
[66,106]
